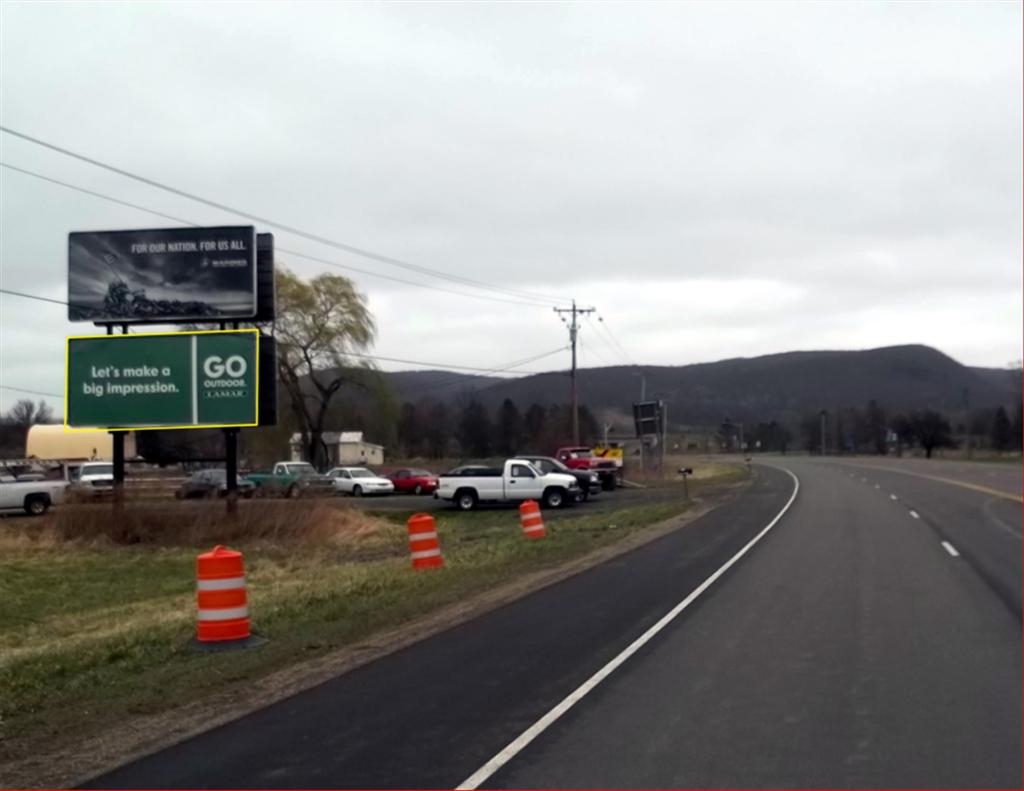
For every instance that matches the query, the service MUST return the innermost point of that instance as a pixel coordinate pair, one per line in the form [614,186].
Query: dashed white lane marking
[950,549]
[863,480]
[520,742]
[893,497]
[878,486]
[915,514]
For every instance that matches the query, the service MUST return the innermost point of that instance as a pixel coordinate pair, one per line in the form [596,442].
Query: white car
[359,481]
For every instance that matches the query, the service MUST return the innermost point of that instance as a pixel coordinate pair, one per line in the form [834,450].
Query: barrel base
[217,646]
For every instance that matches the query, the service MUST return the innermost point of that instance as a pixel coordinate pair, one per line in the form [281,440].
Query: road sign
[648,417]
[162,380]
[163,275]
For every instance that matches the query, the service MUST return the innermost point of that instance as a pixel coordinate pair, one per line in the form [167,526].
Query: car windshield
[361,473]
[98,469]
[421,474]
[301,469]
[553,464]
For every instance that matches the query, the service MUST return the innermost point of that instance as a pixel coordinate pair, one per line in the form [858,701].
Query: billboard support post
[231,468]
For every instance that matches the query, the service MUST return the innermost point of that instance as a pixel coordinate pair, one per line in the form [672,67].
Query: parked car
[413,481]
[32,497]
[212,483]
[579,458]
[589,481]
[515,481]
[359,481]
[292,479]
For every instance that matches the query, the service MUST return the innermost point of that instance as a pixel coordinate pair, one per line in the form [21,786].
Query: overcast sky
[719,180]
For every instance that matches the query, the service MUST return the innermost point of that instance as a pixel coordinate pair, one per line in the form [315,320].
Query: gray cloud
[820,175]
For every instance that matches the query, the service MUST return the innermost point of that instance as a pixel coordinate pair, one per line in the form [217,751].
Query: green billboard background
[173,380]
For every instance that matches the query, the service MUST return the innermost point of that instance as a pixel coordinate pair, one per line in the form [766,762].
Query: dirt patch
[147,734]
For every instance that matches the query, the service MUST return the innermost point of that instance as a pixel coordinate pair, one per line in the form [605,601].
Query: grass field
[92,633]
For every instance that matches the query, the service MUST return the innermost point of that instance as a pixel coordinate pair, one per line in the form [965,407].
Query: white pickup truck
[32,497]
[517,480]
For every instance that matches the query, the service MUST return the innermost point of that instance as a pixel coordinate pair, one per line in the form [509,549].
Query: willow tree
[321,325]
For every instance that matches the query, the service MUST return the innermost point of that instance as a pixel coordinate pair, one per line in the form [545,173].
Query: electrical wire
[614,340]
[503,369]
[32,392]
[295,253]
[435,365]
[384,259]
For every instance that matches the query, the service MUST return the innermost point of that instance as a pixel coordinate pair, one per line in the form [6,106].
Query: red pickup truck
[579,458]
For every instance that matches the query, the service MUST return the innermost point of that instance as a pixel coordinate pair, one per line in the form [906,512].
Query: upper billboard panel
[162,275]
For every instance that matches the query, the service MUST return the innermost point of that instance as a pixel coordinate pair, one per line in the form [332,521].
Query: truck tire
[37,504]
[608,483]
[554,497]
[465,499]
[293,492]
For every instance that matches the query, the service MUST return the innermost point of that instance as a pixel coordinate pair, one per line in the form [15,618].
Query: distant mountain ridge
[784,387]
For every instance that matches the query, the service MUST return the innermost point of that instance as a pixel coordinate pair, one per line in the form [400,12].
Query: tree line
[434,429]
[871,430]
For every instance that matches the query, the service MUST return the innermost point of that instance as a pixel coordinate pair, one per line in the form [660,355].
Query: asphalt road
[848,648]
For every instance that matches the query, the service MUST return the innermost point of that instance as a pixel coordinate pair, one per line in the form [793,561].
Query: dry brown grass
[280,522]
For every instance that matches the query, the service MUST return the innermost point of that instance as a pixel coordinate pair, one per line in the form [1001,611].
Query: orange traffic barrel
[222,610]
[424,548]
[530,519]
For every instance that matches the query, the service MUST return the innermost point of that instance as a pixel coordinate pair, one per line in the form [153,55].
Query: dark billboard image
[170,274]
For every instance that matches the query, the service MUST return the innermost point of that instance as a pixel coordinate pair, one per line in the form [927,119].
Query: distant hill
[783,387]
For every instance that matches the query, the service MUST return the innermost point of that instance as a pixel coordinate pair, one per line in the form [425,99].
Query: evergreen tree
[510,428]
[536,426]
[474,430]
[1002,431]
[438,429]
[875,428]
[411,434]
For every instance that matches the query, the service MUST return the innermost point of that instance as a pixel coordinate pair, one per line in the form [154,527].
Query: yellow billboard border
[189,333]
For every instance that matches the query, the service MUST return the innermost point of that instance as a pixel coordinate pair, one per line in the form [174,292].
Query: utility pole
[573,331]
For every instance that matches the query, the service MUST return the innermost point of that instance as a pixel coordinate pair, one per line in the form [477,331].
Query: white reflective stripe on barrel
[226,584]
[226,614]
[422,536]
[426,553]
[534,529]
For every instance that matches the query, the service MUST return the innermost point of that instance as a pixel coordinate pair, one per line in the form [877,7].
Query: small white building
[344,448]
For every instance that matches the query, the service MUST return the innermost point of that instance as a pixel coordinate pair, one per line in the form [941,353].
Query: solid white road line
[915,514]
[950,549]
[893,497]
[535,730]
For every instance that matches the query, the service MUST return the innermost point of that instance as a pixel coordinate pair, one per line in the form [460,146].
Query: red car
[413,481]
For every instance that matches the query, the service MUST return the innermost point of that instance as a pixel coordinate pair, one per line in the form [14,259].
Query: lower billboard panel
[162,380]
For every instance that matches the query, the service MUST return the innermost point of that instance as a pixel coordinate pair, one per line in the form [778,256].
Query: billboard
[648,417]
[163,275]
[162,380]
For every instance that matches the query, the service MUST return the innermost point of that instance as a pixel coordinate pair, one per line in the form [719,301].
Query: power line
[32,392]
[287,228]
[23,295]
[603,340]
[615,340]
[295,253]
[503,369]
[590,348]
